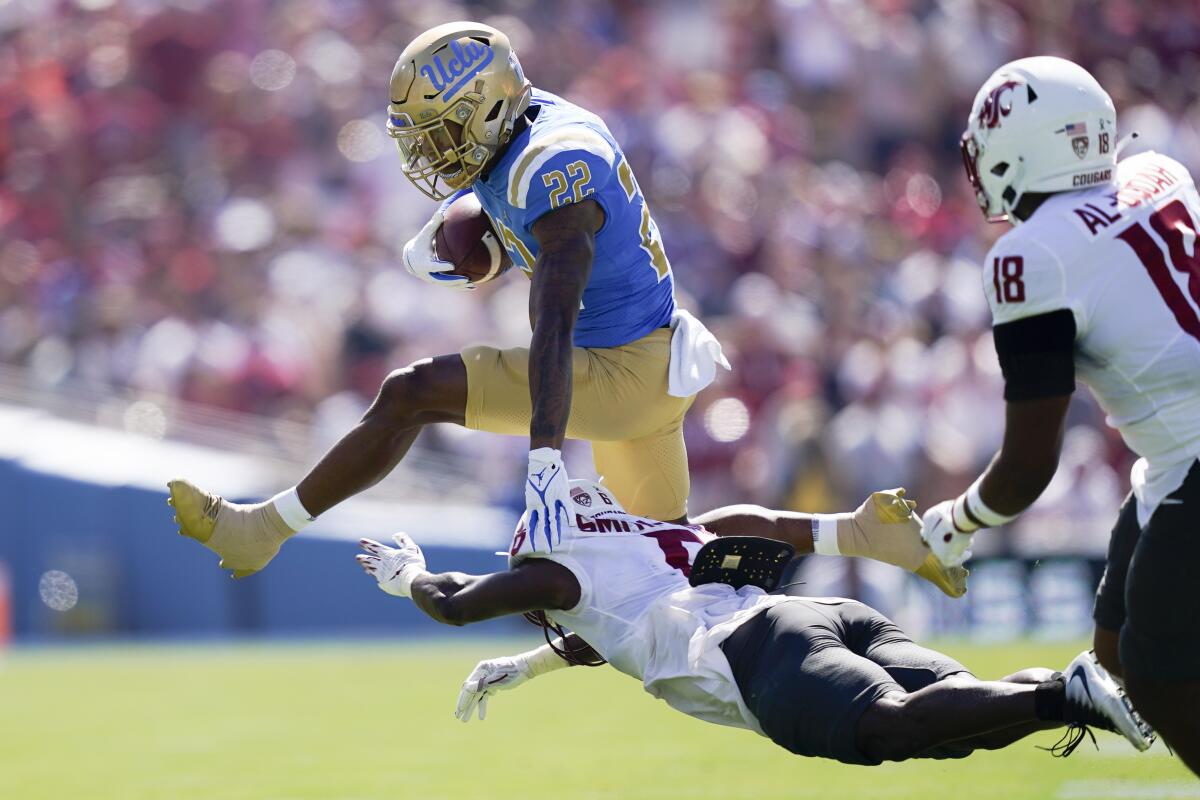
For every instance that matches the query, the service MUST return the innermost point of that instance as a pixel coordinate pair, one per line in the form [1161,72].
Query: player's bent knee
[400,394]
[888,732]
[411,393]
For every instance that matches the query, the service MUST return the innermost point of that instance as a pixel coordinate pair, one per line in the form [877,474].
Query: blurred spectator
[198,199]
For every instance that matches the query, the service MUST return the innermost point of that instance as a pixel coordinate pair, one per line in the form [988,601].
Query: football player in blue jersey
[611,360]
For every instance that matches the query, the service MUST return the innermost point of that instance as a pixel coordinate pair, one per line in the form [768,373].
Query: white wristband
[824,533]
[542,660]
[972,503]
[291,510]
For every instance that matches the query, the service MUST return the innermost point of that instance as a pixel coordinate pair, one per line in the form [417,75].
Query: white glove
[547,498]
[950,544]
[394,568]
[487,677]
[420,258]
[508,672]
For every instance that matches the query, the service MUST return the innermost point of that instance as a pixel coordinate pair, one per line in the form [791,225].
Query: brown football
[468,241]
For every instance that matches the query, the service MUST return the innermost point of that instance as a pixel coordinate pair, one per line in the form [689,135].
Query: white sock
[291,510]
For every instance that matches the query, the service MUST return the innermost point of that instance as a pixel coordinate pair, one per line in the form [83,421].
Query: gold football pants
[619,403]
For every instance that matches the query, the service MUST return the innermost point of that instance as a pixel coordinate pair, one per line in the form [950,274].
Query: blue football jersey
[567,155]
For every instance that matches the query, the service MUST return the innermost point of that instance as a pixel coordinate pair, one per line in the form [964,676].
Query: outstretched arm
[454,598]
[746,519]
[508,672]
[458,599]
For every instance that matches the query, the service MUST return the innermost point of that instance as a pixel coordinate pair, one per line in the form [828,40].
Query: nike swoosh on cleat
[1086,687]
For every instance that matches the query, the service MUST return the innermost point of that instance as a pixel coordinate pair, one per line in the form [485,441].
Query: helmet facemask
[438,157]
[994,209]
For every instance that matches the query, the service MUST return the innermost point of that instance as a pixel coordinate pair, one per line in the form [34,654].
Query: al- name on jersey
[567,155]
[1123,258]
[637,609]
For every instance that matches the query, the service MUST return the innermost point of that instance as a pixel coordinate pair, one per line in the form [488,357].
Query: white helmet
[1039,124]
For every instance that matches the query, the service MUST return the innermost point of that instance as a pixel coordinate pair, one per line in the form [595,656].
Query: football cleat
[1094,699]
[951,580]
[246,537]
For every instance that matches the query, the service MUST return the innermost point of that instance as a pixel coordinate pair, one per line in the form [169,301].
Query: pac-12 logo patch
[581,497]
[1080,144]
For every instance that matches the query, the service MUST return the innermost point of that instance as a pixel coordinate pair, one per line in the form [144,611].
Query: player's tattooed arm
[536,584]
[566,244]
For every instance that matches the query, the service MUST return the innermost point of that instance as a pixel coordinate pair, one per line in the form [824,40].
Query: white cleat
[1094,698]
[246,537]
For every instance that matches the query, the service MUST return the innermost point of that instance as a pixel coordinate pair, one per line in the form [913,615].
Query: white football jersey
[638,611]
[1122,258]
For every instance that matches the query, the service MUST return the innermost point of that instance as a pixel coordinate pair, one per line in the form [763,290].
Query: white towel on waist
[695,354]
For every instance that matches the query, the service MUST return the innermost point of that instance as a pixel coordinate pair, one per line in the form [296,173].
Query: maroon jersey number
[1175,225]
[1008,276]
[671,543]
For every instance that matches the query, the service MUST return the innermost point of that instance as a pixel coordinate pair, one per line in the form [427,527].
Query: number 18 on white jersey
[1123,259]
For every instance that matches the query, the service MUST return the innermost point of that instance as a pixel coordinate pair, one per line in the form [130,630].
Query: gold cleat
[246,537]
[951,580]
[892,507]
[195,509]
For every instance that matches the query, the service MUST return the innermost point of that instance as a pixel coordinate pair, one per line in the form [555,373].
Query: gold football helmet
[457,90]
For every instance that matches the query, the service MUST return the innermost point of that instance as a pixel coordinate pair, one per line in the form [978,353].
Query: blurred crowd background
[199,205]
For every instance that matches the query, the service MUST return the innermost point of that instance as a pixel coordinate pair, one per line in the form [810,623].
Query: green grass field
[375,721]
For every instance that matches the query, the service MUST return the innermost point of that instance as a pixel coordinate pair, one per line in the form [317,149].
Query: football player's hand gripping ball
[394,568]
[547,498]
[420,258]
[951,546]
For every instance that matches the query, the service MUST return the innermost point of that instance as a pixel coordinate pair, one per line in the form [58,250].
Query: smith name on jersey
[638,610]
[566,155]
[1122,259]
